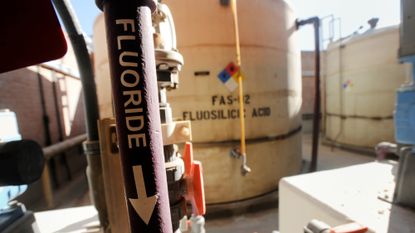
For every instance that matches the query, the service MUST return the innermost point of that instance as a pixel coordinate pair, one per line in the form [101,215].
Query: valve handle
[194,180]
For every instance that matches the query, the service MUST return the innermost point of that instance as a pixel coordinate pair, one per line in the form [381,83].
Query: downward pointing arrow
[143,205]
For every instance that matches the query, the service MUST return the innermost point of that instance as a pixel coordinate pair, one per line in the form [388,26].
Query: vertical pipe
[135,95]
[91,146]
[84,64]
[45,117]
[317,97]
[57,107]
[46,183]
[317,94]
[63,159]
[47,187]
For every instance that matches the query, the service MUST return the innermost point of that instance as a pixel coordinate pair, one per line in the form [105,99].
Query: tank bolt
[185,131]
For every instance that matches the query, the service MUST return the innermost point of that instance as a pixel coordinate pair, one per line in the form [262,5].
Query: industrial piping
[58,148]
[135,94]
[91,146]
[84,64]
[317,98]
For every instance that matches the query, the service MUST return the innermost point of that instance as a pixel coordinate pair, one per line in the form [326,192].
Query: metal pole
[135,95]
[317,100]
[317,94]
[45,117]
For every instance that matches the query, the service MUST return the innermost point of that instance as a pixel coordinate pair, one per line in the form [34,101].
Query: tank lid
[367,34]
[150,3]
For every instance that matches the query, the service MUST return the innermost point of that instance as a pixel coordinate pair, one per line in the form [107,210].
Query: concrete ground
[264,218]
[266,221]
[261,221]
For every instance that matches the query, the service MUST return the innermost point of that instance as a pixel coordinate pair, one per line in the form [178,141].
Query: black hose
[91,146]
[75,34]
[317,98]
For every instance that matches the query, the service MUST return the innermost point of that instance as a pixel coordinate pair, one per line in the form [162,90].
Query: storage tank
[272,82]
[362,75]
[271,68]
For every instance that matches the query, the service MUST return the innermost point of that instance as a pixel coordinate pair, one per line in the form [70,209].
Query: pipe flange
[169,57]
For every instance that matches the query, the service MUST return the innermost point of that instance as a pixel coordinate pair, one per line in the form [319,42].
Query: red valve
[349,228]
[194,180]
[188,159]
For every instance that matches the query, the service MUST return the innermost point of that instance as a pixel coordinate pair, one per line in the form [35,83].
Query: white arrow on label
[143,205]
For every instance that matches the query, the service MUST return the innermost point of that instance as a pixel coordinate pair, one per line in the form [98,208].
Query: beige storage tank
[272,70]
[362,75]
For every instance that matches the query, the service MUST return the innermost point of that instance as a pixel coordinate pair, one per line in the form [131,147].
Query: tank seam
[256,140]
[374,118]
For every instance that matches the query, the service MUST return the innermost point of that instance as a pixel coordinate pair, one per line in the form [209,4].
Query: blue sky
[353,14]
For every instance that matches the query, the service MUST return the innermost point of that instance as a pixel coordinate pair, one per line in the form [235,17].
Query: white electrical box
[360,193]
[9,130]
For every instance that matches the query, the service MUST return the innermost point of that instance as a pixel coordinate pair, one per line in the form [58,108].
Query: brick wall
[20,91]
[57,81]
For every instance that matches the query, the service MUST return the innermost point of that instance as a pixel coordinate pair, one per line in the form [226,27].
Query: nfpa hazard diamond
[229,76]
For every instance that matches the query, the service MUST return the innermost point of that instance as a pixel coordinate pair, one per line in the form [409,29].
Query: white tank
[272,70]
[362,75]
[271,67]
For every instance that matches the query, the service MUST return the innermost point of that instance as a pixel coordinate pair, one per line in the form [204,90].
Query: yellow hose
[240,83]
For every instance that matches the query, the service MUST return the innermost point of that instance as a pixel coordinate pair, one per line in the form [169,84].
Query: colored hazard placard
[229,76]
[232,69]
